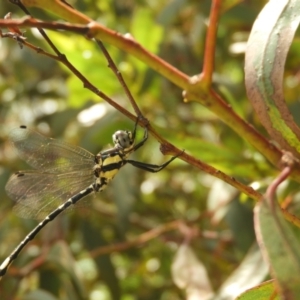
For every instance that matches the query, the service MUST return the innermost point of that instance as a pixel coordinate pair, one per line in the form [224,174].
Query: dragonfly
[63,171]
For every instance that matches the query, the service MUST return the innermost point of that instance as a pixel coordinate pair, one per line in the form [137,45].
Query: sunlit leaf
[263,291]
[249,273]
[273,31]
[190,274]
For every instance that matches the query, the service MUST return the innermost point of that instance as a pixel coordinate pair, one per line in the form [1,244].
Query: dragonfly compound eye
[123,139]
[40,193]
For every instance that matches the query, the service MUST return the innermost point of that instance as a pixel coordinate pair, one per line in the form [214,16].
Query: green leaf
[88,60]
[148,33]
[226,159]
[61,256]
[38,295]
[145,30]
[280,246]
[266,53]
[250,272]
[263,291]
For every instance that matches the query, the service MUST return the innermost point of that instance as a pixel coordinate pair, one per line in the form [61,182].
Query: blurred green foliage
[42,94]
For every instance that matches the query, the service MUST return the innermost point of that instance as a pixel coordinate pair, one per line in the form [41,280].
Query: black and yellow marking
[62,169]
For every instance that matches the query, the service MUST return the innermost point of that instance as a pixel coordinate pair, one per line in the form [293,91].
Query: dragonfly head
[123,139]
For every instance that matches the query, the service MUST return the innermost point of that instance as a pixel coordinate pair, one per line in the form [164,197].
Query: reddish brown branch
[141,239]
[186,231]
[288,161]
[210,44]
[166,147]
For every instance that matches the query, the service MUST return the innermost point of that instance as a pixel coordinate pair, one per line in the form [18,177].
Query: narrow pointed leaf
[266,53]
[249,273]
[189,274]
[280,246]
[263,291]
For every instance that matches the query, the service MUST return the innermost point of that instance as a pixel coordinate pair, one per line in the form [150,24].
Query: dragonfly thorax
[123,139]
[63,170]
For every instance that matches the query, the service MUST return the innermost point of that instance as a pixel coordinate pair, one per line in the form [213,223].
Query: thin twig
[141,239]
[288,161]
[210,44]
[166,147]
[185,230]
[86,83]
[41,30]
[212,100]
[118,74]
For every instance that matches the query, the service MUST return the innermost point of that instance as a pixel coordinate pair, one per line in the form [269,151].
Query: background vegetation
[185,207]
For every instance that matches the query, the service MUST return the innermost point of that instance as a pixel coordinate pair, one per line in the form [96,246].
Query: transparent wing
[49,154]
[37,194]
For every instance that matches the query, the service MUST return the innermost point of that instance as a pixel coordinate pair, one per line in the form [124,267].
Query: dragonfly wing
[37,194]
[52,155]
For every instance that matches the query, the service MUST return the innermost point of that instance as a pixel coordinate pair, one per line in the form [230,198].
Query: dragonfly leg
[151,167]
